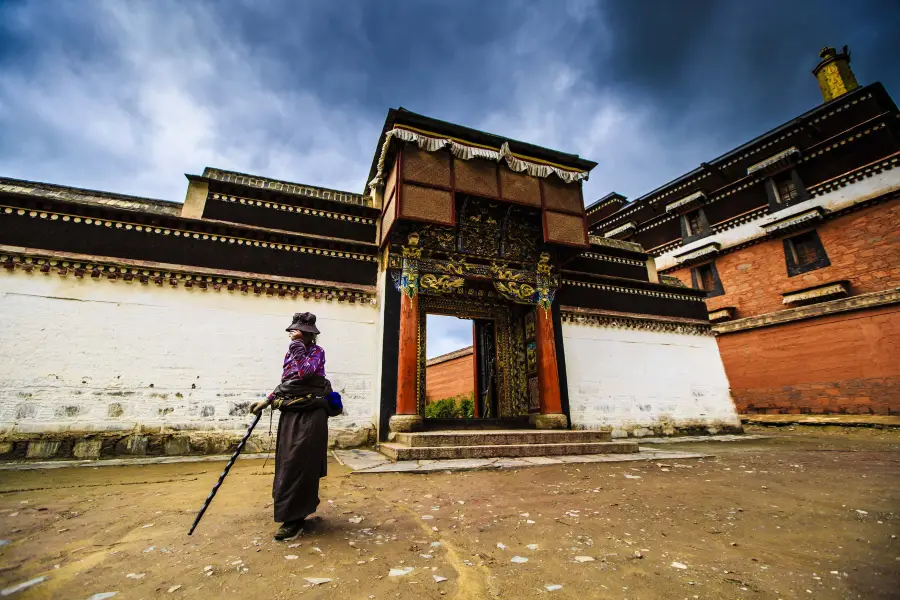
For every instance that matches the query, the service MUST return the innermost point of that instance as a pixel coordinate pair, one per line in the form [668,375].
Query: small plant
[454,407]
[467,406]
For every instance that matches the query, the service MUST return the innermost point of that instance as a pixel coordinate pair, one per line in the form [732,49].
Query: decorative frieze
[613,198]
[619,244]
[638,323]
[663,248]
[623,230]
[688,203]
[775,163]
[885,164]
[286,186]
[740,219]
[637,291]
[186,278]
[300,210]
[683,186]
[704,252]
[195,235]
[829,290]
[794,221]
[843,141]
[614,259]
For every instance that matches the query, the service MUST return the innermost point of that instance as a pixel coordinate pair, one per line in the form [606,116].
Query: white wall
[634,380]
[73,352]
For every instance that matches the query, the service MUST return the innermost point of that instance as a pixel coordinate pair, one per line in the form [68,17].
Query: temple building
[794,238]
[130,325]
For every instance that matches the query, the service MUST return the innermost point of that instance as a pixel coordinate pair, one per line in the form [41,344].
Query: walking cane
[216,487]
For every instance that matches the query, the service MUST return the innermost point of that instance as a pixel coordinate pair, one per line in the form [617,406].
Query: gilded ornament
[441,283]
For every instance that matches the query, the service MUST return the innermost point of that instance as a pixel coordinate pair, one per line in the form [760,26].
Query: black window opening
[706,278]
[785,190]
[804,253]
[694,226]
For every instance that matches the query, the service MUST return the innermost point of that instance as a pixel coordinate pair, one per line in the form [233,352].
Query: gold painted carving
[441,283]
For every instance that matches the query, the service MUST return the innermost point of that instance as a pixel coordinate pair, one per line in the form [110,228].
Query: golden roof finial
[834,74]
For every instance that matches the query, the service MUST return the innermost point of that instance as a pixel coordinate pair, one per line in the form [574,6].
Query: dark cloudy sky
[126,96]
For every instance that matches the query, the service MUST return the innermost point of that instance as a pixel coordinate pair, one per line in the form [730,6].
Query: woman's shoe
[288,530]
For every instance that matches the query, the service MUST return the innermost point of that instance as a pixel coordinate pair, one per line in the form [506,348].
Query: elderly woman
[306,400]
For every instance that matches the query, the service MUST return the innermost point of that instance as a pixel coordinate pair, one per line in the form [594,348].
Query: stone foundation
[642,430]
[80,445]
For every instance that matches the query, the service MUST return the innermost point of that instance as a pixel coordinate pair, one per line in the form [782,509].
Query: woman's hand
[258,407]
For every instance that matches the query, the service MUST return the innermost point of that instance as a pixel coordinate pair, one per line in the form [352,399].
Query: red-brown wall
[863,248]
[844,363]
[449,378]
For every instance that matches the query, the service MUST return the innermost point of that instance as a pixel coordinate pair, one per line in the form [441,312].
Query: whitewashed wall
[642,382]
[86,355]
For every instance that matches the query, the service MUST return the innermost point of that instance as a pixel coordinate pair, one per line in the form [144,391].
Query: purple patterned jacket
[300,362]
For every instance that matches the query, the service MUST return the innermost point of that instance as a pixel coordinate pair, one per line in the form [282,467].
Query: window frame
[697,280]
[687,234]
[774,195]
[792,257]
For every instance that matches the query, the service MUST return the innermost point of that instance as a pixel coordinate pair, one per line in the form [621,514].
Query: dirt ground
[807,514]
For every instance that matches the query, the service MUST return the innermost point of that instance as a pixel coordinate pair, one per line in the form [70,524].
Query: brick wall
[449,378]
[862,246]
[845,363]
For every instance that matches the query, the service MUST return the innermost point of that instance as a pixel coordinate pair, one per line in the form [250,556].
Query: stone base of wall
[862,396]
[97,445]
[665,429]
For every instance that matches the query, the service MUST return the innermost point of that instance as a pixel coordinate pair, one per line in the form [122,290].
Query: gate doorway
[499,361]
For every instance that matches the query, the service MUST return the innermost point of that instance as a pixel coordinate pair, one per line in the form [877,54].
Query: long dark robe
[301,450]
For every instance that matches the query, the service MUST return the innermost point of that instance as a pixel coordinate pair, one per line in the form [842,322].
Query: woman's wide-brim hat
[304,322]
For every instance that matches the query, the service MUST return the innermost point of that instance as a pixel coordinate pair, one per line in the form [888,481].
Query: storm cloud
[129,96]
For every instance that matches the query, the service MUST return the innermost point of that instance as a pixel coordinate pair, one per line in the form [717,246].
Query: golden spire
[834,74]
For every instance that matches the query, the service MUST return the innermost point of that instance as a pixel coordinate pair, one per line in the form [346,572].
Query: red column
[408,357]
[406,417]
[551,416]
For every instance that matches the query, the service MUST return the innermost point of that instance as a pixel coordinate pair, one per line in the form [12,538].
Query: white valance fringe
[466,152]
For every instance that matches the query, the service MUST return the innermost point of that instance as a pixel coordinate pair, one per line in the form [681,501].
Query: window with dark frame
[804,252]
[694,223]
[787,191]
[694,226]
[706,278]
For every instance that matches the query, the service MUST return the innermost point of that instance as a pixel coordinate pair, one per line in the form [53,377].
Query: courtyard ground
[809,513]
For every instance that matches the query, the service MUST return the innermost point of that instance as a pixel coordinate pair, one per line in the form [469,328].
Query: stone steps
[499,438]
[397,451]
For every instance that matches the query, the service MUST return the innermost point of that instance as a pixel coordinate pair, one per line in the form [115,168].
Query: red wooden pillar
[406,417]
[551,416]
[408,357]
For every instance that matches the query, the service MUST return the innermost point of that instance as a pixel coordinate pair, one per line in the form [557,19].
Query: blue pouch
[335,406]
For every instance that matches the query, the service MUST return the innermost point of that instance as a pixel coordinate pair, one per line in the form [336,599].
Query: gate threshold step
[396,451]
[515,437]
